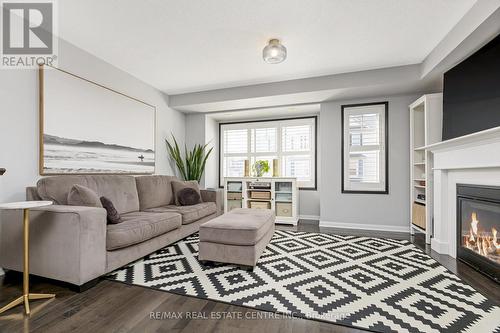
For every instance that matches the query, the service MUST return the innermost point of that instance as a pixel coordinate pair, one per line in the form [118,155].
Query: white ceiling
[193,45]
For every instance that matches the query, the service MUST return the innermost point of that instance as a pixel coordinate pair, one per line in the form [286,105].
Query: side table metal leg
[41,296]
[12,304]
[26,304]
[26,268]
[26,272]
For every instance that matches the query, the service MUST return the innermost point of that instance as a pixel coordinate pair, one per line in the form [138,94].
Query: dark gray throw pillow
[113,216]
[188,196]
[177,186]
[83,196]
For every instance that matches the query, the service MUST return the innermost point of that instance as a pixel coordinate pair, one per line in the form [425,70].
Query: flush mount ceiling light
[274,52]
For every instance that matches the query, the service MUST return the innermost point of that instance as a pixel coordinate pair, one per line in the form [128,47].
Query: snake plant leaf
[192,166]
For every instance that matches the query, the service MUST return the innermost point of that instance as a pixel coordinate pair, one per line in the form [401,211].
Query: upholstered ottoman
[237,237]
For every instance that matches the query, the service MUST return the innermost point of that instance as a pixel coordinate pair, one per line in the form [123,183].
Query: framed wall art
[87,128]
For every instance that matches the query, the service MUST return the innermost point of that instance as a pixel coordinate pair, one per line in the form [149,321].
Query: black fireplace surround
[478,221]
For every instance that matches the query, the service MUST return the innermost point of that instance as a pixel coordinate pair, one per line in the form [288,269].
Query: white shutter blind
[234,166]
[364,132]
[236,141]
[235,149]
[297,138]
[291,142]
[298,166]
[364,129]
[264,140]
[364,167]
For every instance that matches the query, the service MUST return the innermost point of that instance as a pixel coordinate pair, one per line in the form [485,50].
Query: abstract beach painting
[87,128]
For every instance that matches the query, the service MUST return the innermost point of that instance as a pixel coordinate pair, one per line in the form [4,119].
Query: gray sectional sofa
[75,244]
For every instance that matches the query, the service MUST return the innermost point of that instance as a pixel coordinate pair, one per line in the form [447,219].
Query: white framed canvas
[86,128]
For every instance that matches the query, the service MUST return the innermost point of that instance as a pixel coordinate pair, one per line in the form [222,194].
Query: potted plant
[260,168]
[192,165]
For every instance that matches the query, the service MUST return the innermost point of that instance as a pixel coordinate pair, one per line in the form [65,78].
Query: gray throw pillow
[177,186]
[83,196]
[188,197]
[112,213]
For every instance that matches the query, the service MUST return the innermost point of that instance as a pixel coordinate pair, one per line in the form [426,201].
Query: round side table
[25,206]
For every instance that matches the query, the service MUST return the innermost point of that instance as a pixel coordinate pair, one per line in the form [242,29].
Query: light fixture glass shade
[274,52]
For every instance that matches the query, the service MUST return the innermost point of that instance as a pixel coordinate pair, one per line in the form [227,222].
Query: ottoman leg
[207,263]
[247,268]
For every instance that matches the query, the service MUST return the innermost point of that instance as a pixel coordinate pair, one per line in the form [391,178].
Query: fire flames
[482,242]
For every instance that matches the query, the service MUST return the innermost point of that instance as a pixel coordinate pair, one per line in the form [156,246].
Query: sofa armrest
[32,193]
[214,195]
[67,243]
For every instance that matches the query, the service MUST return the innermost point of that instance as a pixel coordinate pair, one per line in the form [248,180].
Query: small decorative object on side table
[25,206]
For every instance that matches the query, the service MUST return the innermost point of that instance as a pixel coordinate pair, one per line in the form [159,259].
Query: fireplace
[478,228]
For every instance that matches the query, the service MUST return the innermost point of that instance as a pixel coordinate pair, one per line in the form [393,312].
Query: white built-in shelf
[426,119]
[286,207]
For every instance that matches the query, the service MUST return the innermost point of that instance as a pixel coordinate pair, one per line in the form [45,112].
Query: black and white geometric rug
[382,285]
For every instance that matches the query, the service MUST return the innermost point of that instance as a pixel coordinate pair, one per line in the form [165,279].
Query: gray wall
[212,166]
[201,129]
[371,211]
[19,116]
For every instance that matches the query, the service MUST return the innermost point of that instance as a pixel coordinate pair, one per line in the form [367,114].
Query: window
[364,148]
[290,142]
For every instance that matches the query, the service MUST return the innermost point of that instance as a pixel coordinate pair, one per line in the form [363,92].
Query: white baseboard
[440,247]
[309,217]
[377,227]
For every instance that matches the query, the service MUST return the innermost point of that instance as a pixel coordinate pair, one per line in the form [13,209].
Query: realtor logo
[27,33]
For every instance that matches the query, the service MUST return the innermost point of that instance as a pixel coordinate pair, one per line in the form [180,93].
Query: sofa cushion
[189,214]
[138,227]
[154,191]
[178,185]
[83,196]
[239,227]
[120,189]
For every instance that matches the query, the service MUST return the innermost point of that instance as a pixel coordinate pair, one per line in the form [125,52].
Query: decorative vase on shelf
[276,167]
[247,168]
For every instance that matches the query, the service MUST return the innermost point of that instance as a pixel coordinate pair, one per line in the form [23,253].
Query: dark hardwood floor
[116,307]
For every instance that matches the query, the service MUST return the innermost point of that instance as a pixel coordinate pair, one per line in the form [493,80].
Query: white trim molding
[376,227]
[309,217]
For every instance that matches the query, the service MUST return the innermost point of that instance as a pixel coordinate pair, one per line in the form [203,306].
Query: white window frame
[381,187]
[279,154]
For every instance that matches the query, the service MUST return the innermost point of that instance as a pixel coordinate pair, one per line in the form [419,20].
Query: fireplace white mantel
[469,159]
